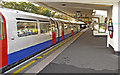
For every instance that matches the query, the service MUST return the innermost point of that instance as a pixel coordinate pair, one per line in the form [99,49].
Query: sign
[78,14]
[110,28]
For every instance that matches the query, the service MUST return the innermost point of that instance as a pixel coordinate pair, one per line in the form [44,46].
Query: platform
[87,54]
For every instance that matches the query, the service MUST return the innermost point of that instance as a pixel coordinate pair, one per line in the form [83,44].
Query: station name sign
[110,28]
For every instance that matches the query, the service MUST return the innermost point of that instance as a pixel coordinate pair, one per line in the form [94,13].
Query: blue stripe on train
[19,55]
[60,38]
[16,56]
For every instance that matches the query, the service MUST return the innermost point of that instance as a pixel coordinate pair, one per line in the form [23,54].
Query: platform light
[94,11]
[93,14]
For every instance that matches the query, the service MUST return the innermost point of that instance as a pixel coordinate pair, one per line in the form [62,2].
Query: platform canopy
[71,7]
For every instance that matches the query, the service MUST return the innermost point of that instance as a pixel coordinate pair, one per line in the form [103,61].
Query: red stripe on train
[53,37]
[62,34]
[3,46]
[72,32]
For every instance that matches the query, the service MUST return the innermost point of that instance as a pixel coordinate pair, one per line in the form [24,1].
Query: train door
[72,30]
[77,27]
[53,29]
[57,31]
[62,29]
[3,42]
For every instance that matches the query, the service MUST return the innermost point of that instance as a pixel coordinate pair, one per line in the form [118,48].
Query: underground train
[23,34]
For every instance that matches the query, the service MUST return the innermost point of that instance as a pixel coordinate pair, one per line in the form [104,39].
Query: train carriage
[23,34]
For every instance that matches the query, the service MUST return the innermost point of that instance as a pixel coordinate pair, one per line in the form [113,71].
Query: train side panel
[21,47]
[29,33]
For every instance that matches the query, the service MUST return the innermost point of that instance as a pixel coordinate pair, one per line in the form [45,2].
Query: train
[23,34]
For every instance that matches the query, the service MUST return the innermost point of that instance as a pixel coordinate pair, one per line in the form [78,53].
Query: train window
[54,25]
[45,27]
[2,34]
[69,26]
[27,28]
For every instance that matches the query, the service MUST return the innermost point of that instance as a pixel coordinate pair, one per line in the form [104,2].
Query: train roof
[61,20]
[3,10]
[22,12]
[80,23]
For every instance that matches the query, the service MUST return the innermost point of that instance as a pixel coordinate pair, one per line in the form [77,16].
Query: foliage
[53,14]
[58,16]
[46,13]
[64,17]
[29,7]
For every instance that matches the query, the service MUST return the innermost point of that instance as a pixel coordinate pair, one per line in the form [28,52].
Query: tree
[58,16]
[46,13]
[24,6]
[53,14]
[12,5]
[29,7]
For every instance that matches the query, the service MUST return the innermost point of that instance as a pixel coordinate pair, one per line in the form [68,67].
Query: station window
[26,28]
[45,27]
[2,34]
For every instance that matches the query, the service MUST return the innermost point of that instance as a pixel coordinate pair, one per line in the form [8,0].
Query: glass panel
[45,28]
[54,26]
[2,35]
[27,28]
[102,28]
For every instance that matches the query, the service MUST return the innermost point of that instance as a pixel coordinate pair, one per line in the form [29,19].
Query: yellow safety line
[58,45]
[23,67]
[41,56]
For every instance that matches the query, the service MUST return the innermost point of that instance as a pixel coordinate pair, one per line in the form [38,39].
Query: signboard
[110,28]
[78,14]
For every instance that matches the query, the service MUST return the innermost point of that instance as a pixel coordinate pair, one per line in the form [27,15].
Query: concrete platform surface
[87,54]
